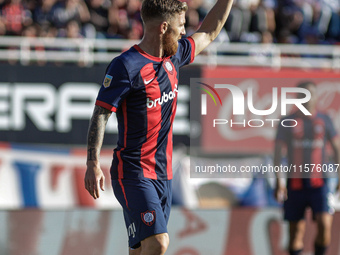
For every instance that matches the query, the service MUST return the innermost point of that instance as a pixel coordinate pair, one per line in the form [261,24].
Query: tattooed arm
[94,177]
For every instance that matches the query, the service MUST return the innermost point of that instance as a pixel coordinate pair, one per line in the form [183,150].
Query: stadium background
[51,68]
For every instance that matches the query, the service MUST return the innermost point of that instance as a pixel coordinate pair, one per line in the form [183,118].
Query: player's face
[313,100]
[174,33]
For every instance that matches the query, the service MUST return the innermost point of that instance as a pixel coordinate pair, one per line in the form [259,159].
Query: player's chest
[312,129]
[158,79]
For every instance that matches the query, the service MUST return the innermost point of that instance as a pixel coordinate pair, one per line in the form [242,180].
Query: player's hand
[280,192]
[337,191]
[94,178]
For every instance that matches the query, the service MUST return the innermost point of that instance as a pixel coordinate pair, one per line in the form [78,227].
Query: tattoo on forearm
[96,131]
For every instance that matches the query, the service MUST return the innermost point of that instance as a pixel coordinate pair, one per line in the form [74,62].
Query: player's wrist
[93,163]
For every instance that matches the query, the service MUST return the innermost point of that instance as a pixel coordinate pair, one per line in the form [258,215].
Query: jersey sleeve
[116,86]
[186,51]
[330,129]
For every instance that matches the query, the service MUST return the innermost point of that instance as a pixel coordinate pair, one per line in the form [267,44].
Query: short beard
[169,47]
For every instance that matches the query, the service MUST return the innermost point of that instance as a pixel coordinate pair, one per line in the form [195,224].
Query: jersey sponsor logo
[148,217]
[148,81]
[168,66]
[308,143]
[163,99]
[107,80]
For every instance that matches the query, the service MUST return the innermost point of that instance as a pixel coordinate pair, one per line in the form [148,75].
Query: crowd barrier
[240,231]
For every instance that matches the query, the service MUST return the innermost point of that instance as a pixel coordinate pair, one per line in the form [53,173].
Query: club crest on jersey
[318,129]
[107,81]
[168,66]
[148,217]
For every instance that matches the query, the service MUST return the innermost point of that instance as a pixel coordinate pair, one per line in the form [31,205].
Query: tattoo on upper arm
[96,131]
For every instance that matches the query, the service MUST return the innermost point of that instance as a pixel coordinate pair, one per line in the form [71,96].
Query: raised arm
[212,25]
[94,177]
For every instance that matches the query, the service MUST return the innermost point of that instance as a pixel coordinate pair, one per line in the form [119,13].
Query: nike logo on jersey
[147,82]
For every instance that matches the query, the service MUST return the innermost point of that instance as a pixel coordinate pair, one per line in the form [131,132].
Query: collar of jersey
[147,55]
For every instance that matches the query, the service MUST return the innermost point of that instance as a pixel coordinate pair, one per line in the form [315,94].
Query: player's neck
[312,110]
[152,46]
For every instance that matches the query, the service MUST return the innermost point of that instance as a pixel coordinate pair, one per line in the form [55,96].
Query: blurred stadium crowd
[253,21]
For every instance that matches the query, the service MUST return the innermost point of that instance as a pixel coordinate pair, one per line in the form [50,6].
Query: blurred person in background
[141,87]
[32,32]
[192,21]
[197,5]
[73,30]
[15,16]
[68,10]
[133,10]
[98,23]
[306,145]
[2,3]
[43,13]
[2,28]
[293,16]
[119,25]
[119,4]
[248,20]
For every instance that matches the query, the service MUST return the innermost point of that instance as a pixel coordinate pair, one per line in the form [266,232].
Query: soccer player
[306,143]
[141,86]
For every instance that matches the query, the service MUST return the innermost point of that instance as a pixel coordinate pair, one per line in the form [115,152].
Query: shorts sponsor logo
[107,81]
[148,217]
[132,230]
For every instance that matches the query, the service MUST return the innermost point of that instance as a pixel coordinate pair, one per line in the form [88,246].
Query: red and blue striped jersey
[306,144]
[142,90]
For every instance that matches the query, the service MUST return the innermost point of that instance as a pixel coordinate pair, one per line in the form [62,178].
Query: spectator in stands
[133,10]
[38,51]
[197,5]
[70,10]
[98,23]
[15,17]
[73,30]
[119,4]
[283,21]
[269,8]
[43,14]
[313,36]
[119,23]
[192,21]
[2,3]
[136,31]
[329,24]
[2,28]
[267,37]
[248,19]
[234,23]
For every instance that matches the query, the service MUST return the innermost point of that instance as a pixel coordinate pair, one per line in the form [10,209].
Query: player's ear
[164,27]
